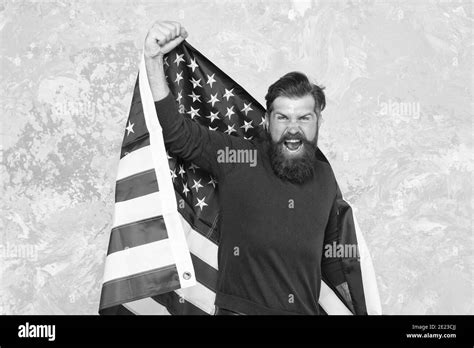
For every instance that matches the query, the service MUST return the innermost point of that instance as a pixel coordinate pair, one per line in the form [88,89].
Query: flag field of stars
[208,96]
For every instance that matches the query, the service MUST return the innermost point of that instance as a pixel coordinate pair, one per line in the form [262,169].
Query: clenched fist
[162,37]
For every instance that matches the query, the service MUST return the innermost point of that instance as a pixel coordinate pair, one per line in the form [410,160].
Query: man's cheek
[276,134]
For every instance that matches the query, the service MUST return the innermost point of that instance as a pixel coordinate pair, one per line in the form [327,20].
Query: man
[276,215]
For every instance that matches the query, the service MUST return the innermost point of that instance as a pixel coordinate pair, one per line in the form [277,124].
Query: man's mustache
[297,136]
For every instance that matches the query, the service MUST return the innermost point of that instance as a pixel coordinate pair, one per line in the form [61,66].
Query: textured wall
[398,131]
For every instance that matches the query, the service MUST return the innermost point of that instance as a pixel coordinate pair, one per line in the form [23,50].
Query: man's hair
[295,85]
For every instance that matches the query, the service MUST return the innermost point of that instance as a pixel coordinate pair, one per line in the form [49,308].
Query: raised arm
[162,38]
[183,137]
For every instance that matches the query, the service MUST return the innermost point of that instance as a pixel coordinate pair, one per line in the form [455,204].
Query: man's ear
[319,118]
[267,121]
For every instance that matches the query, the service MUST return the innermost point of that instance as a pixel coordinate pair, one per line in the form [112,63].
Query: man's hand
[162,37]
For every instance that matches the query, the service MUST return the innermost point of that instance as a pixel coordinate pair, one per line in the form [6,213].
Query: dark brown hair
[293,85]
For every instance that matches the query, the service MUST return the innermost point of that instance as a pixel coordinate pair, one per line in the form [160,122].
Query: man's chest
[266,212]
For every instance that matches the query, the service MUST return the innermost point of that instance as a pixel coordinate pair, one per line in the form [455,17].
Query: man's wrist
[156,77]
[155,62]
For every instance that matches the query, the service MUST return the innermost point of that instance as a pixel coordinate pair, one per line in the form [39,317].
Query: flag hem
[175,231]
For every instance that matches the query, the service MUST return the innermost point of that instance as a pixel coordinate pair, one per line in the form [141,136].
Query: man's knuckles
[163,36]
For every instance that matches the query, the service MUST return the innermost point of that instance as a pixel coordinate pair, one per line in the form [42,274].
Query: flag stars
[230,111]
[262,123]
[195,83]
[179,59]
[213,99]
[193,64]
[193,167]
[230,129]
[166,62]
[246,108]
[228,94]
[193,112]
[248,138]
[197,185]
[213,182]
[129,128]
[181,171]
[213,116]
[179,77]
[210,80]
[173,174]
[180,96]
[195,97]
[185,189]
[247,125]
[201,203]
[212,129]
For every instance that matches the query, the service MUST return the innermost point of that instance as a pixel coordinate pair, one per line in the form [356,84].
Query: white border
[170,213]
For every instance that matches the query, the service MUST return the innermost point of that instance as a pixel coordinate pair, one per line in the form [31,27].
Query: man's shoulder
[325,170]
[324,164]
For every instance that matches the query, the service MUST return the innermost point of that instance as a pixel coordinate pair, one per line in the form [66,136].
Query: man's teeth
[293,144]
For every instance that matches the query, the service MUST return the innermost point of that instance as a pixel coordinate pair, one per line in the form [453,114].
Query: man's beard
[298,169]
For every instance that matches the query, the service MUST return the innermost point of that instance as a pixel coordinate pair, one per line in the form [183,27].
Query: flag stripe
[136,185]
[163,280]
[135,162]
[137,209]
[330,302]
[146,306]
[178,306]
[139,259]
[200,296]
[115,310]
[137,233]
[205,274]
[136,145]
[200,245]
[196,223]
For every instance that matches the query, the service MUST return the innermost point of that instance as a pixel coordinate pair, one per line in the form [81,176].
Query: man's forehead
[294,105]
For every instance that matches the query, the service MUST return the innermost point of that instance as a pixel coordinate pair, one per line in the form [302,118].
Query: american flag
[162,254]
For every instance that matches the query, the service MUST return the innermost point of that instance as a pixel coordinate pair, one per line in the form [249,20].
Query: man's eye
[304,118]
[281,117]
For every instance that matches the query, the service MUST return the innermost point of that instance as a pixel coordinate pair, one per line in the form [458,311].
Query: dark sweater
[271,231]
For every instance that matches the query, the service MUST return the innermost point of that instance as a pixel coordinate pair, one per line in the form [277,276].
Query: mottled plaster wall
[397,130]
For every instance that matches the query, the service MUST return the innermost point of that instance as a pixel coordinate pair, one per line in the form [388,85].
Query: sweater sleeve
[331,265]
[193,142]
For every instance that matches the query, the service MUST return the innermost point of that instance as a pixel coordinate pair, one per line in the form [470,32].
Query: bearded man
[277,214]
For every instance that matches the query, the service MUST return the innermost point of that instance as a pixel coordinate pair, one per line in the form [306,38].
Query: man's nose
[293,128]
[292,131]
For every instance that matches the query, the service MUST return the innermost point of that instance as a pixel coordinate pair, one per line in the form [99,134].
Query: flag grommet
[187,275]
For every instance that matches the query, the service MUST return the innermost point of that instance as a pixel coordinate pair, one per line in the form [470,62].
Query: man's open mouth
[293,145]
